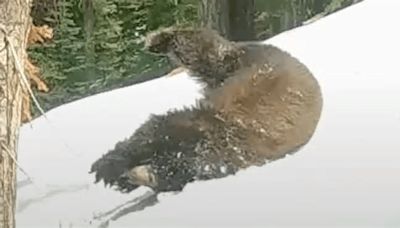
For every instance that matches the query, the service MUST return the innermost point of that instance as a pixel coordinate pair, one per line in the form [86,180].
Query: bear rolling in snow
[259,105]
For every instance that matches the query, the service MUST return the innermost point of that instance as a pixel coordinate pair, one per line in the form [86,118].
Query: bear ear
[230,54]
[159,42]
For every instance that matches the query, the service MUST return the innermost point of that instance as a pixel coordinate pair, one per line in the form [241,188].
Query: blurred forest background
[98,44]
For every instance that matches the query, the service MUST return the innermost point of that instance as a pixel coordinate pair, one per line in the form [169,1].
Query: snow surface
[348,175]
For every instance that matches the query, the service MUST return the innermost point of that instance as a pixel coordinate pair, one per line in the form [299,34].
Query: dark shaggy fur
[178,147]
[260,105]
[207,55]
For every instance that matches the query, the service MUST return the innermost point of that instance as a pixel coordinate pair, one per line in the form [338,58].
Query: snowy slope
[348,175]
[58,153]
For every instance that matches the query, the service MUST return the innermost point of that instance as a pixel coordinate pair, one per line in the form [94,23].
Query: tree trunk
[214,14]
[233,19]
[89,23]
[14,23]
[241,18]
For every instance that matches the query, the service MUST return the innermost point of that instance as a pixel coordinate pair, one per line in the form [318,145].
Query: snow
[58,152]
[347,175]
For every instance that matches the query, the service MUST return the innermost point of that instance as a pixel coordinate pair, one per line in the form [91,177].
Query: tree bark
[233,19]
[14,24]
[241,18]
[89,23]
[214,14]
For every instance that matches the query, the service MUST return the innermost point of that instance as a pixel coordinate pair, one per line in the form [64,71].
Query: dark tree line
[98,45]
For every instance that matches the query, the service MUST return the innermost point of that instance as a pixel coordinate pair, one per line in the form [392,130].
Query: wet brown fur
[263,88]
[202,51]
[260,104]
